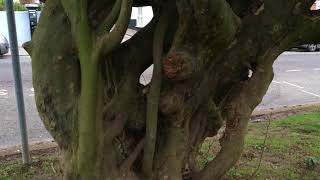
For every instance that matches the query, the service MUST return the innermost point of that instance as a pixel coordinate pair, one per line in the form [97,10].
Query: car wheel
[312,47]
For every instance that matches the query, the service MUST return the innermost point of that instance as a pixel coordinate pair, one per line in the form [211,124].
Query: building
[28,1]
[315,6]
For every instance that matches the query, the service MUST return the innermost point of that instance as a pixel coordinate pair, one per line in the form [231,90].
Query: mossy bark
[108,126]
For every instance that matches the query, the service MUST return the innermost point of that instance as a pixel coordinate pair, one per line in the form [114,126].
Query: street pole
[17,80]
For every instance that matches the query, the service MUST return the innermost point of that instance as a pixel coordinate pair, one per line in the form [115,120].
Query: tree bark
[109,126]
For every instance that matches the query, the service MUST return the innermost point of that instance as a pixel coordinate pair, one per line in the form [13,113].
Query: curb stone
[15,151]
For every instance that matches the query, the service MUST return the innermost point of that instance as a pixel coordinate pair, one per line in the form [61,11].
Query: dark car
[4,45]
[311,47]
[307,47]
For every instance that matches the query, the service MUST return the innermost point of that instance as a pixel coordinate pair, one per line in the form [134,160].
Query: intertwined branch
[242,34]
[154,94]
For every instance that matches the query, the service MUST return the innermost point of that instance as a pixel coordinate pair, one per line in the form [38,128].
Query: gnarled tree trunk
[212,66]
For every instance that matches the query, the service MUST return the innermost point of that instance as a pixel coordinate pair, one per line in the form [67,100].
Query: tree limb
[28,47]
[108,23]
[245,8]
[110,40]
[52,62]
[78,15]
[132,157]
[154,95]
[243,99]
[239,110]
[115,128]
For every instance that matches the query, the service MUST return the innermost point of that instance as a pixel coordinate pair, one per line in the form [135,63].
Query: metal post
[17,80]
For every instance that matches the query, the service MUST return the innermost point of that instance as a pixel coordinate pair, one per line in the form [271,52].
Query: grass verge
[291,151]
[44,166]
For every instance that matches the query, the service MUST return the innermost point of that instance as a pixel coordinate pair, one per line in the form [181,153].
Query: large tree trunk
[212,66]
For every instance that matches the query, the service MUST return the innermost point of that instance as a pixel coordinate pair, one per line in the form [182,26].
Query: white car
[4,45]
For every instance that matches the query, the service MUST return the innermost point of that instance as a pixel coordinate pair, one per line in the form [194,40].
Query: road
[9,131]
[296,81]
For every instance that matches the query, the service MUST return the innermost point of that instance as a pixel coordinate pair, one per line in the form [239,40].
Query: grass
[42,167]
[16,6]
[291,151]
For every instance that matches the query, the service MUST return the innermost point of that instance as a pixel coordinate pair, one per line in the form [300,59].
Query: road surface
[9,128]
[296,81]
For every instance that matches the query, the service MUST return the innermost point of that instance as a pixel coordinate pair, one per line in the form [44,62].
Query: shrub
[16,6]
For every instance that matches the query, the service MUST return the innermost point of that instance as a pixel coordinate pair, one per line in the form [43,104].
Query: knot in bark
[178,65]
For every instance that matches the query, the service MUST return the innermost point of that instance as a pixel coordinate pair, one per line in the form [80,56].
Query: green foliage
[312,162]
[42,167]
[291,142]
[260,146]
[16,6]
[19,7]
[205,153]
[306,123]
[2,7]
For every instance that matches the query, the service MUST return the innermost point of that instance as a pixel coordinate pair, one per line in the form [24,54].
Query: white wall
[22,25]
[147,15]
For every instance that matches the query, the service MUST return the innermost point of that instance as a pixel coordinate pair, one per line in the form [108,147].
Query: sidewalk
[22,52]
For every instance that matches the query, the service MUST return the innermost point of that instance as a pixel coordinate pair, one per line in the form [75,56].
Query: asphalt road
[9,128]
[296,81]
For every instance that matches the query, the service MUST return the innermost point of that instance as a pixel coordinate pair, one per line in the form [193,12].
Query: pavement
[296,81]
[22,52]
[9,129]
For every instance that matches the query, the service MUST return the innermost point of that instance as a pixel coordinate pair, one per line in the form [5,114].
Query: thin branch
[68,8]
[108,23]
[242,103]
[154,95]
[109,41]
[245,7]
[78,15]
[263,150]
[116,127]
[133,156]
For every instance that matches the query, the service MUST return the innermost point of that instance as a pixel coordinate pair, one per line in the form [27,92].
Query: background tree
[212,66]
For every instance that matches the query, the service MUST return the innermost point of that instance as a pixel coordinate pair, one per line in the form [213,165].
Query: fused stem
[154,95]
[109,22]
[111,40]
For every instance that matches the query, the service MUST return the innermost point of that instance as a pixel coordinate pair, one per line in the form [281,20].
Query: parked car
[310,47]
[307,47]
[4,45]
